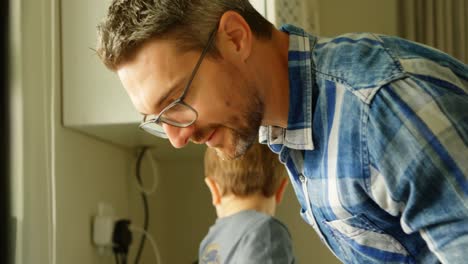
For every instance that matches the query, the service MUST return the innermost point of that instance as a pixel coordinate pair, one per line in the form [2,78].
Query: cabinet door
[92,95]
[94,101]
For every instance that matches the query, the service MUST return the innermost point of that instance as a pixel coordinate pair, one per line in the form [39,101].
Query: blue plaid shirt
[376,147]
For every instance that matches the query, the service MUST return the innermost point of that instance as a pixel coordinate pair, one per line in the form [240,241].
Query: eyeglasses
[177,113]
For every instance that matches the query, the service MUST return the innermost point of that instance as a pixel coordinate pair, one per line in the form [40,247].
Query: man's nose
[179,136]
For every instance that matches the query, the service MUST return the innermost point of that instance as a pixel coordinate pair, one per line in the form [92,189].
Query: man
[372,129]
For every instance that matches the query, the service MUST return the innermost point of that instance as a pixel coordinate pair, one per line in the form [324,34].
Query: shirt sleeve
[417,136]
[269,243]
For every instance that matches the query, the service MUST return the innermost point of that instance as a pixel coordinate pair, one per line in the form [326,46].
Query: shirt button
[301,178]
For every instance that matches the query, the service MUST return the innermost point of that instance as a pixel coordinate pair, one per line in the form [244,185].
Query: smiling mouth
[204,141]
[207,142]
[211,136]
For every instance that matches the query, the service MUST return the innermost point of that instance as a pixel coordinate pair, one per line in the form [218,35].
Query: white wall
[180,209]
[87,172]
[59,175]
[337,16]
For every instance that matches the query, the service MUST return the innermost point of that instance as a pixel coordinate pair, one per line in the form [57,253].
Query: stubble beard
[242,138]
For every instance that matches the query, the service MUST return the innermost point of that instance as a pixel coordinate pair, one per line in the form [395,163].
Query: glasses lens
[180,115]
[154,129]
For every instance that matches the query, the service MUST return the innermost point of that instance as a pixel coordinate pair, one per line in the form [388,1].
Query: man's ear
[214,189]
[280,192]
[234,36]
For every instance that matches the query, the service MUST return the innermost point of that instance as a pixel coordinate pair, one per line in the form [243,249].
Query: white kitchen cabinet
[94,101]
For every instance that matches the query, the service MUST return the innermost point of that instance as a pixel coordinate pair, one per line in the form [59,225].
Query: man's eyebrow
[176,87]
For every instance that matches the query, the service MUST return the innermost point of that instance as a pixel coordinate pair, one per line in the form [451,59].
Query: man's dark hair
[130,23]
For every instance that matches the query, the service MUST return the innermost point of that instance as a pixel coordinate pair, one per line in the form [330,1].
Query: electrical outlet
[103,227]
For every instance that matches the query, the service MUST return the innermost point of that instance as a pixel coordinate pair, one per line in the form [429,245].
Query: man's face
[229,108]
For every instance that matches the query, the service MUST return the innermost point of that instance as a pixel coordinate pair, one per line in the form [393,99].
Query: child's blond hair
[257,171]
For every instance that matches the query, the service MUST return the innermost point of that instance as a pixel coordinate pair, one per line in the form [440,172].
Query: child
[245,193]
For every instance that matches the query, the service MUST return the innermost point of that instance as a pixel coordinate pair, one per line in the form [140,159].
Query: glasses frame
[157,120]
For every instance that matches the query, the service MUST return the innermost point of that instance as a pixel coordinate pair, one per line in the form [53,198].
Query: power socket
[103,228]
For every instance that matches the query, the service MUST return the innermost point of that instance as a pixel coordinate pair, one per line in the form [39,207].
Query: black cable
[145,204]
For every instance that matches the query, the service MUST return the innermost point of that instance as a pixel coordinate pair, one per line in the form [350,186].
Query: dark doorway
[6,223]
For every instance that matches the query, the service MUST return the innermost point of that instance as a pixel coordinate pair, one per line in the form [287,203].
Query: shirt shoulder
[268,241]
[360,61]
[234,237]
[421,60]
[269,227]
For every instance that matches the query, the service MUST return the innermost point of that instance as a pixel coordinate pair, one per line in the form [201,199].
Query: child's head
[254,181]
[258,171]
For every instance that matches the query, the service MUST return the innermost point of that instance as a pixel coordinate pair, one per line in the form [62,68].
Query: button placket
[305,191]
[309,212]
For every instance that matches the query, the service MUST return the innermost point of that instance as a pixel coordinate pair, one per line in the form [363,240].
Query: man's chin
[234,151]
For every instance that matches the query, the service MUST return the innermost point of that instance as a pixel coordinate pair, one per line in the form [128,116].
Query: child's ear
[280,192]
[214,189]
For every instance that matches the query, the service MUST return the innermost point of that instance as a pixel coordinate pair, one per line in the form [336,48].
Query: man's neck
[231,204]
[272,78]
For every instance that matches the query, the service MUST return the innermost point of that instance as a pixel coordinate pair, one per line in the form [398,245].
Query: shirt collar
[298,134]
